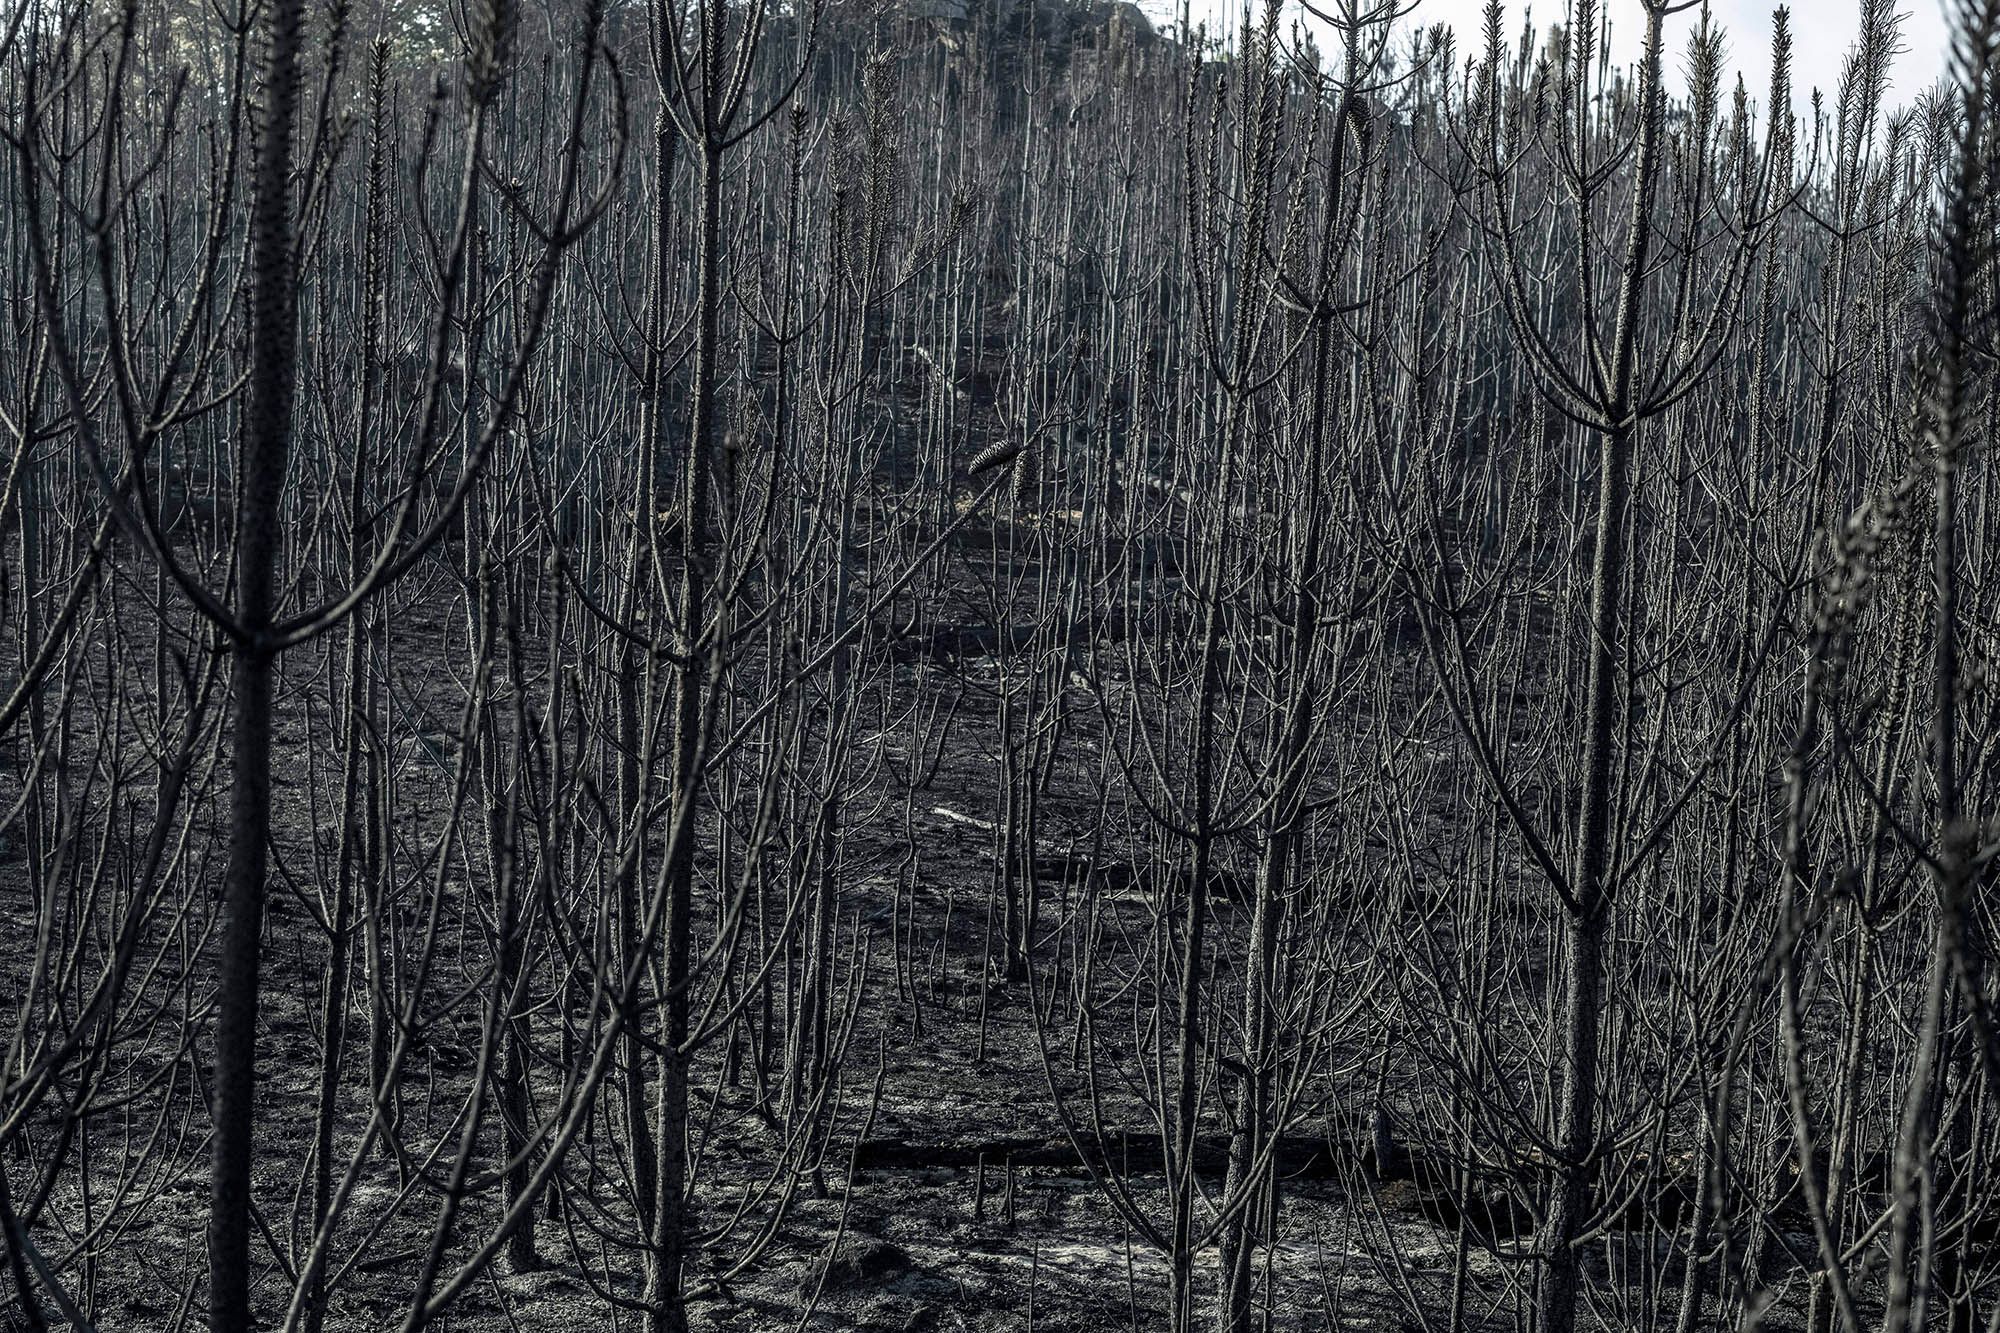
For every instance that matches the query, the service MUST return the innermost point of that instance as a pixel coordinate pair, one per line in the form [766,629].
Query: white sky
[1822,31]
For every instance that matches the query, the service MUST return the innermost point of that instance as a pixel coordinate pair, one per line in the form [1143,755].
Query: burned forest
[956,666]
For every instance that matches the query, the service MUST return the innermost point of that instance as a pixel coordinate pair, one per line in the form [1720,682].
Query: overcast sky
[1822,30]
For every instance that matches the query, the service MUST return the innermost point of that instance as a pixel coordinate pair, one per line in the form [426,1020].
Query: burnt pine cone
[996,455]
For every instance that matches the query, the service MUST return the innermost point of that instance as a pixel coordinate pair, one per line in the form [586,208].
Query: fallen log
[1414,1181]
[1300,1156]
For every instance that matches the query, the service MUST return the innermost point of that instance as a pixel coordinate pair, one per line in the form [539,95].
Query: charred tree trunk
[260,476]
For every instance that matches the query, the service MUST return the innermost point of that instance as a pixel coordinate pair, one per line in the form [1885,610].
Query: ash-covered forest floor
[946,1194]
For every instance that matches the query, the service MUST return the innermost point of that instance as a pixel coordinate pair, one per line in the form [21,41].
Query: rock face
[1127,19]
[939,11]
[1076,15]
[1098,30]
